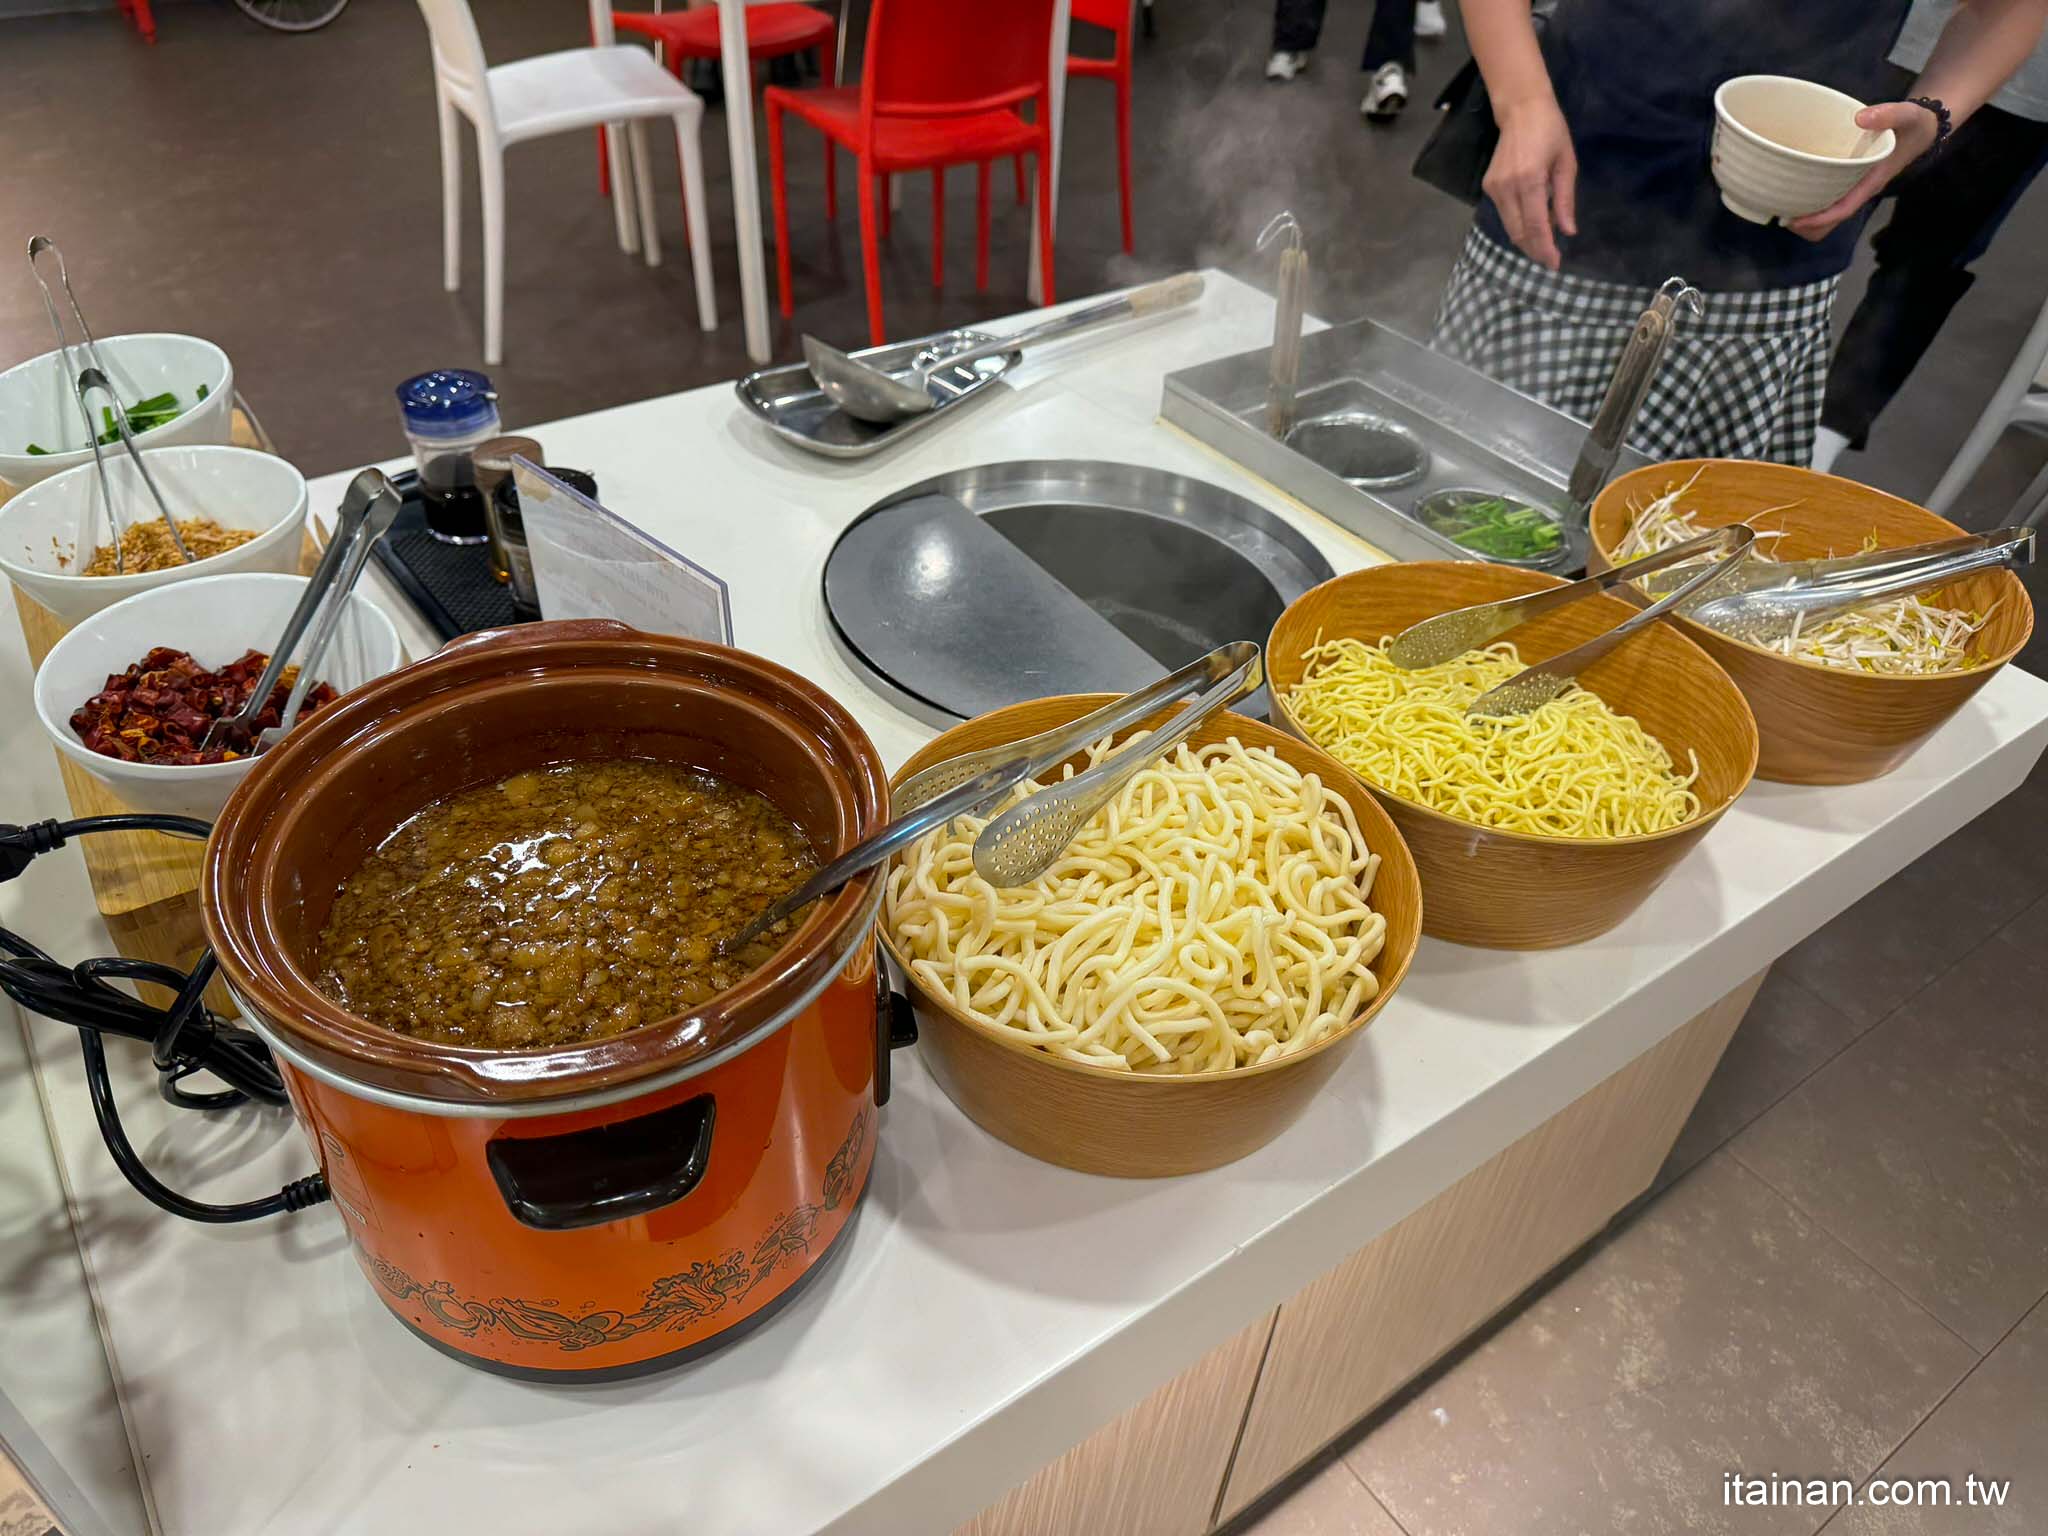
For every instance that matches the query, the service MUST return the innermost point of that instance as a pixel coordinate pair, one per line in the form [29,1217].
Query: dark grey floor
[1848,1263]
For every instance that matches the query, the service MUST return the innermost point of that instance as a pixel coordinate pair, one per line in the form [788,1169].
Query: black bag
[1461,146]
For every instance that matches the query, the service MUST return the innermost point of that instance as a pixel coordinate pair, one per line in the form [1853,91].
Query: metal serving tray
[787,400]
[1478,434]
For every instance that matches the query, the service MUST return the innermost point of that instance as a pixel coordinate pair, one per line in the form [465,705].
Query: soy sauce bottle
[446,414]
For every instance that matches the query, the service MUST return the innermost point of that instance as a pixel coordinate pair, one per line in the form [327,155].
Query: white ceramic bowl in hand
[1784,148]
[216,619]
[236,487]
[37,404]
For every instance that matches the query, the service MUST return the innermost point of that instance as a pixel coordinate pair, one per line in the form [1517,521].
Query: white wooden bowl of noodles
[1145,1048]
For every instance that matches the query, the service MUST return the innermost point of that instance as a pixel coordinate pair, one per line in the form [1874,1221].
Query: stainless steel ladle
[873,395]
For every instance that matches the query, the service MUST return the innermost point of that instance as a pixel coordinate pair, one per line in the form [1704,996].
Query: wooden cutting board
[145,883]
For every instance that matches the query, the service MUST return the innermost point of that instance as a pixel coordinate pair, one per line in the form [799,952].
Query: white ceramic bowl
[1785,147]
[216,619]
[33,409]
[236,487]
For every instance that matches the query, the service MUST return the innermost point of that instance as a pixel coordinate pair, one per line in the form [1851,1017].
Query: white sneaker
[1285,66]
[1387,94]
[1429,19]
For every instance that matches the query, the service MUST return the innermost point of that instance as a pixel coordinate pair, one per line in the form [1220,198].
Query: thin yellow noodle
[1214,916]
[1573,768]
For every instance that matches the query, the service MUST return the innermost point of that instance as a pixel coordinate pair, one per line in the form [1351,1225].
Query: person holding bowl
[1600,188]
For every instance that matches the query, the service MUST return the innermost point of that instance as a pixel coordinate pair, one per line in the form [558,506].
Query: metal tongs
[1626,392]
[367,510]
[1771,600]
[90,379]
[93,377]
[1448,635]
[1015,849]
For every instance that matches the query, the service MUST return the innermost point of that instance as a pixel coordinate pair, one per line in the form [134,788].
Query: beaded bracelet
[1944,123]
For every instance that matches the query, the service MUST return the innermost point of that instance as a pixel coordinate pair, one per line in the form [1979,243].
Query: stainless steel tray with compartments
[787,400]
[1367,391]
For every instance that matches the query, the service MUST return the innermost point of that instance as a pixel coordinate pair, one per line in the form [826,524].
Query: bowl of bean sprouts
[1848,697]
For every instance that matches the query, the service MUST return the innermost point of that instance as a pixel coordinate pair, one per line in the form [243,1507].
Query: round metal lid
[1005,582]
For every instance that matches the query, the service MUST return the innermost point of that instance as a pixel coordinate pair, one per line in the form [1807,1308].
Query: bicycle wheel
[292,15]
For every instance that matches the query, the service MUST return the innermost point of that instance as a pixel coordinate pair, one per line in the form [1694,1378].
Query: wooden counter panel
[1350,1339]
[1156,1470]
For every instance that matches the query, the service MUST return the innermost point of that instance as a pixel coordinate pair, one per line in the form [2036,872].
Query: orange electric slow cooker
[602,1208]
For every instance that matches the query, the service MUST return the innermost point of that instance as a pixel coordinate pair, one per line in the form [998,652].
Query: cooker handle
[544,629]
[606,1172]
[895,1023]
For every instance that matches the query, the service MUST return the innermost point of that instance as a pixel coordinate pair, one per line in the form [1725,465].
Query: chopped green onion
[1499,528]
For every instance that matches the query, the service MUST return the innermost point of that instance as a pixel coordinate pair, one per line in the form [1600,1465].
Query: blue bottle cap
[449,402]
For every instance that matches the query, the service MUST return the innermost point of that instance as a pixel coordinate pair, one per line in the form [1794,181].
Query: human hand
[1915,128]
[1533,179]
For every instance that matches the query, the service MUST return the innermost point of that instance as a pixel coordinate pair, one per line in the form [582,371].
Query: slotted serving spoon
[873,395]
[962,785]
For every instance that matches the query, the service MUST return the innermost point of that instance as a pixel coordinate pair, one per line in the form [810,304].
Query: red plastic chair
[1114,16]
[941,85]
[773,31]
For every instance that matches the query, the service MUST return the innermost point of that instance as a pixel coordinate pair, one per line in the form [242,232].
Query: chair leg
[870,257]
[888,204]
[1045,224]
[689,151]
[831,182]
[981,176]
[778,196]
[490,157]
[2033,503]
[1123,149]
[451,196]
[604,157]
[643,191]
[938,226]
[1023,188]
[622,205]
[1996,418]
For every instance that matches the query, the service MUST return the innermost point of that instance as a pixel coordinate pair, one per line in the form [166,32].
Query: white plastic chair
[2015,403]
[579,88]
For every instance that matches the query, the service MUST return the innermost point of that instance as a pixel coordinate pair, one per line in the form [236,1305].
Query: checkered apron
[1744,381]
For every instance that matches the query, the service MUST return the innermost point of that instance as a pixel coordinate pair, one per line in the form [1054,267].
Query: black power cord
[184,1038]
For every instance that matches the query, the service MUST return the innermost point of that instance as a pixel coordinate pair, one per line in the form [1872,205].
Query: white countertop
[988,1310]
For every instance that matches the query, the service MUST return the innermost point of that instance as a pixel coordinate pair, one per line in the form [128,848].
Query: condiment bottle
[493,468]
[509,527]
[446,413]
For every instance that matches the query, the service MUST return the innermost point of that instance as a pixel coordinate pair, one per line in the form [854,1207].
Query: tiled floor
[1845,1268]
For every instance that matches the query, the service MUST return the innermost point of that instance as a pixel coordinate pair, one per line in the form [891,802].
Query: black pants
[1389,40]
[1944,218]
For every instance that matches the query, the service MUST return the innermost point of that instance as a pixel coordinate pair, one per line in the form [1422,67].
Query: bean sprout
[1901,637]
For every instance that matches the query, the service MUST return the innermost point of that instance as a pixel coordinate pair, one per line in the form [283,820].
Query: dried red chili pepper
[159,709]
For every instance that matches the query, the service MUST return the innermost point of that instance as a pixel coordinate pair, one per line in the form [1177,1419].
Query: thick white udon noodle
[1214,916]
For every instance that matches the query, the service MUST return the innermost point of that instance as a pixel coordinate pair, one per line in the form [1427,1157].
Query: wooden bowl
[1134,1124]
[1824,725]
[1519,890]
